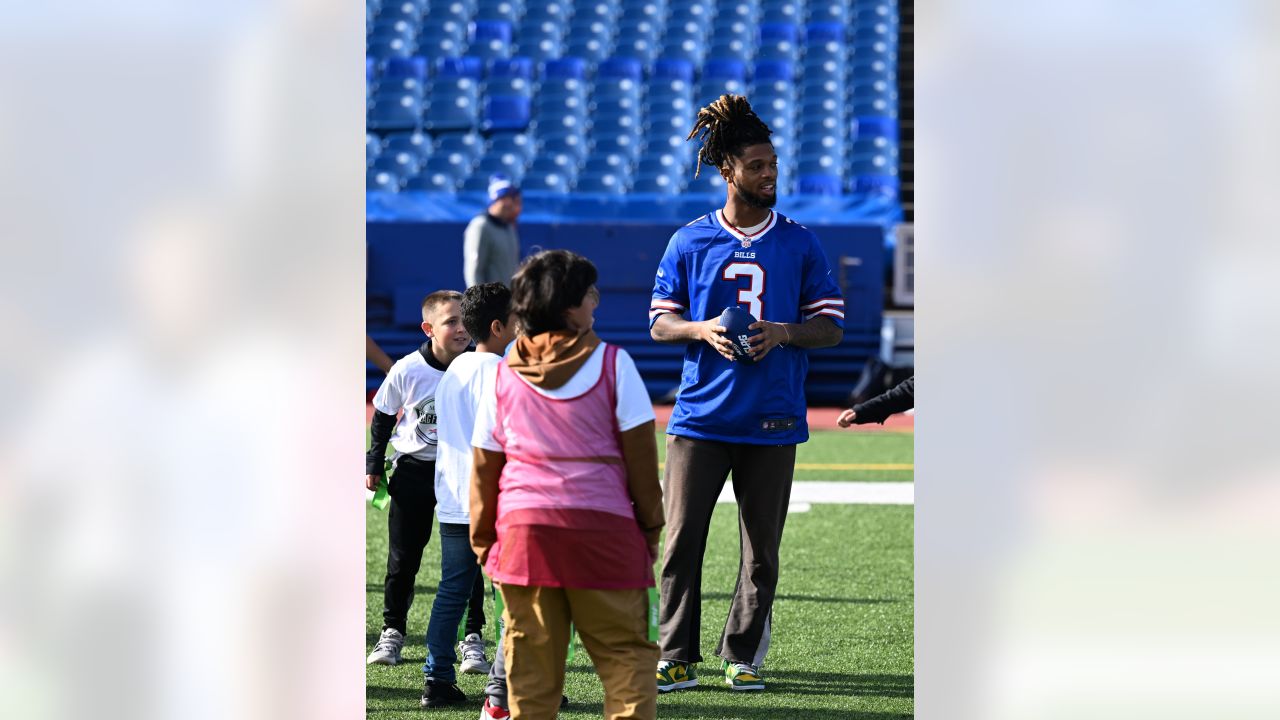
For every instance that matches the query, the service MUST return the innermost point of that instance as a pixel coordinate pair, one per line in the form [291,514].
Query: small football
[736,322]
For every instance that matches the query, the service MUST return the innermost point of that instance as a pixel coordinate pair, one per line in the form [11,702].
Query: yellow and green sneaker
[741,676]
[674,675]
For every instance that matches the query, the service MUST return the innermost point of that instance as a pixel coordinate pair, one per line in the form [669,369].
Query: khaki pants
[614,629]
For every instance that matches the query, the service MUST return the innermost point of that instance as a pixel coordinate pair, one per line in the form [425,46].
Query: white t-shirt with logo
[411,386]
[633,409]
[464,385]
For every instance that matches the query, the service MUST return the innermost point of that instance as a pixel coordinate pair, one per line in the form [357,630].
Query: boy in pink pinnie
[566,507]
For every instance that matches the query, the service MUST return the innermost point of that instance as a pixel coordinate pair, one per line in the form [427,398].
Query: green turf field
[842,626]
[843,632]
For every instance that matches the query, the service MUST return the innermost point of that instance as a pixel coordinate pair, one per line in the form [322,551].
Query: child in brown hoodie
[566,506]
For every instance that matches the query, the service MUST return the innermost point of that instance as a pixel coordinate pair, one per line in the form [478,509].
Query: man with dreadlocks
[735,417]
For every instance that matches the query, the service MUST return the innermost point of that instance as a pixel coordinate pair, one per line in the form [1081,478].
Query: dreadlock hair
[727,126]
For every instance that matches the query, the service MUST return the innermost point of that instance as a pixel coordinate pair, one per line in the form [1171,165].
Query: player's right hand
[846,418]
[711,331]
[371,482]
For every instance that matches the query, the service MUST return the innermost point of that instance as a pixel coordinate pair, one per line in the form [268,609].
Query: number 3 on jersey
[750,295]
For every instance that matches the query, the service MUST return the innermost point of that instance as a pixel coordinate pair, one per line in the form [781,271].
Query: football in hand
[736,322]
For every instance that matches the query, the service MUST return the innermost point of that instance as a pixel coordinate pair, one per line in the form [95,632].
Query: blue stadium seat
[687,49]
[451,112]
[737,11]
[432,181]
[667,70]
[608,163]
[648,28]
[570,145]
[540,39]
[381,181]
[778,42]
[513,76]
[546,182]
[370,70]
[417,143]
[829,12]
[552,161]
[592,49]
[708,182]
[404,29]
[656,184]
[562,124]
[791,11]
[556,11]
[505,112]
[565,68]
[446,10]
[818,34]
[776,77]
[490,39]
[454,164]
[596,10]
[620,68]
[469,144]
[872,32]
[453,29]
[372,148]
[392,47]
[510,164]
[664,163]
[400,164]
[459,67]
[396,113]
[864,126]
[411,67]
[819,165]
[439,46]
[517,143]
[819,185]
[403,10]
[504,10]
[641,48]
[605,183]
[720,76]
[618,144]
[397,87]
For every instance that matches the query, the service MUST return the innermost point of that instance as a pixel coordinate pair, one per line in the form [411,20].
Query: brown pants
[695,475]
[614,629]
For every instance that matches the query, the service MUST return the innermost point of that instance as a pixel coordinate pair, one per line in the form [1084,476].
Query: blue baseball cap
[501,186]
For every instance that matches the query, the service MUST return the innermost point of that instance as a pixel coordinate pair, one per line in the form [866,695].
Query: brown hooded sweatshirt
[548,361]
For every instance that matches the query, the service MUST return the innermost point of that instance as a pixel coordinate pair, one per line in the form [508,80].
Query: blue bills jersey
[779,273]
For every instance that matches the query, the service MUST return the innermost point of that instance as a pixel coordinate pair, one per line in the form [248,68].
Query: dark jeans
[413,503]
[475,609]
[458,569]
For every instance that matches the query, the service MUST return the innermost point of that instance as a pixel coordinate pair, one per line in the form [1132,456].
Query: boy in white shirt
[487,318]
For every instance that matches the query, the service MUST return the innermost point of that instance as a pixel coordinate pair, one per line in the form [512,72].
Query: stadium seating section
[597,96]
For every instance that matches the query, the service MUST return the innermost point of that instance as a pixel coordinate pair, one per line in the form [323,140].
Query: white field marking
[848,493]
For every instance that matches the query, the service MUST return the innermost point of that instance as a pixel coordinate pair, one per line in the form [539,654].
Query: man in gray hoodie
[491,247]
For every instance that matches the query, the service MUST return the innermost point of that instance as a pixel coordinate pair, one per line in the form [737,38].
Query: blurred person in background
[491,245]
[901,398]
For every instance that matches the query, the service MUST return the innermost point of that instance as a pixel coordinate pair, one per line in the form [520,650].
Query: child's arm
[380,434]
[640,453]
[486,468]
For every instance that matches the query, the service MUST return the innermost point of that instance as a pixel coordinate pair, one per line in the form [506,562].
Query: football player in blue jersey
[735,418]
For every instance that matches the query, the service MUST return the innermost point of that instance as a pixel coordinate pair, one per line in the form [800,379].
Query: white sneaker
[471,650]
[387,651]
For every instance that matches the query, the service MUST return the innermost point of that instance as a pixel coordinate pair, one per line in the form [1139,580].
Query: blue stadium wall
[406,260]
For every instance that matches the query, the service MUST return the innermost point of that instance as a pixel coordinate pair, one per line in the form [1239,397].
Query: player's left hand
[771,335]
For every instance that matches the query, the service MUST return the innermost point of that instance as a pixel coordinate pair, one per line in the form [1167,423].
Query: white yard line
[851,493]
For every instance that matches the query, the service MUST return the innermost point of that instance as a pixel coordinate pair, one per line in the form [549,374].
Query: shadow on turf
[377,588]
[809,598]
[671,708]
[803,682]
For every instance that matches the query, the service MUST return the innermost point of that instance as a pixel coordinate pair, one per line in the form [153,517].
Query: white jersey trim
[753,237]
